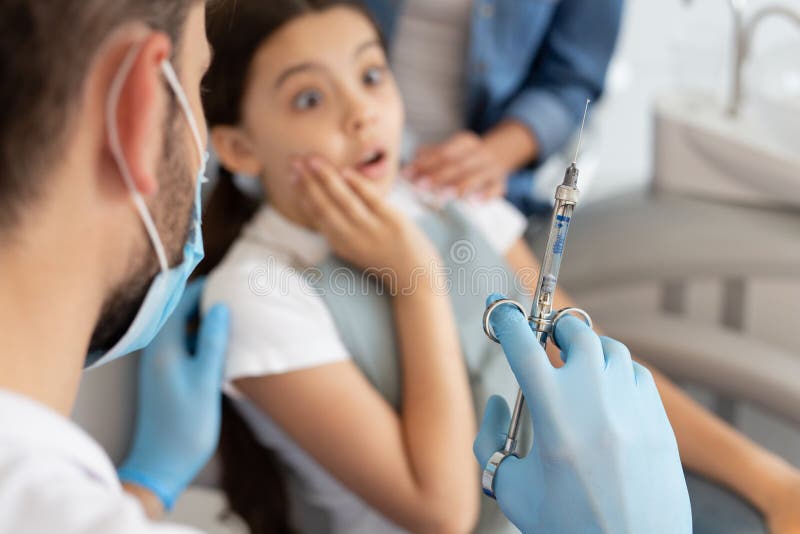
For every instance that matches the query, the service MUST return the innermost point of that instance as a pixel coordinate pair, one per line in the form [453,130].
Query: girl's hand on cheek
[360,226]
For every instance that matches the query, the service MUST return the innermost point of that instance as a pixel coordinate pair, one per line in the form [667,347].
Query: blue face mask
[167,287]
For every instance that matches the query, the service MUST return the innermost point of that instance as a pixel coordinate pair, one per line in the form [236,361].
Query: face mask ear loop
[116,150]
[180,94]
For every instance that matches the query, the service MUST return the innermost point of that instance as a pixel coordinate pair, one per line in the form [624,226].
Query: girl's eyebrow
[295,70]
[302,67]
[366,46]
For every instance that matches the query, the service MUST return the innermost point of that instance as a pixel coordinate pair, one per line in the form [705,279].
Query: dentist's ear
[136,110]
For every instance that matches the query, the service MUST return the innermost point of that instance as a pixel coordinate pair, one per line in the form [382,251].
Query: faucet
[742,40]
[745,44]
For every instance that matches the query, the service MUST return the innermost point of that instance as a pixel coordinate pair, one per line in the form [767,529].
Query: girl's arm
[707,445]
[415,466]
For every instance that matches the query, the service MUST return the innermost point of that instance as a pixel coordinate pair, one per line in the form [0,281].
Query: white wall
[666,44]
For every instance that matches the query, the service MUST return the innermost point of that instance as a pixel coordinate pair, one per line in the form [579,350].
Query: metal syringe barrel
[566,198]
[541,320]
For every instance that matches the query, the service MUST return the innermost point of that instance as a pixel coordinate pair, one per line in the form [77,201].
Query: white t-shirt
[429,54]
[54,478]
[279,324]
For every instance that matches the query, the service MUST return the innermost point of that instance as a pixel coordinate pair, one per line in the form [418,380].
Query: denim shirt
[534,61]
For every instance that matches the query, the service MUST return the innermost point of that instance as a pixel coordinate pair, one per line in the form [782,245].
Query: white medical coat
[55,479]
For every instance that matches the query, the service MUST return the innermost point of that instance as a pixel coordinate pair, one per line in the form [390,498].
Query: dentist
[102,153]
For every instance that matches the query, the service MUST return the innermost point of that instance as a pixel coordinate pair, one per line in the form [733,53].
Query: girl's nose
[361,116]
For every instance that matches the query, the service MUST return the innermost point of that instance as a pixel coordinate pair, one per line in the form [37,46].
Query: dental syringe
[542,318]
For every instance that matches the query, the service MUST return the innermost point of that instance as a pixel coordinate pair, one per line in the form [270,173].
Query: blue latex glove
[178,418]
[604,457]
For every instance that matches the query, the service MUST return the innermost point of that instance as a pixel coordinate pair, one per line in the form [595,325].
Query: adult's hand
[178,419]
[465,165]
[604,457]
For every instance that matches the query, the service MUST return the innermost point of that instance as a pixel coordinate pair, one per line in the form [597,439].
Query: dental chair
[709,293]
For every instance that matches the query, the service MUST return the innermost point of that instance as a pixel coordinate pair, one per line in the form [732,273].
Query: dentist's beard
[172,214]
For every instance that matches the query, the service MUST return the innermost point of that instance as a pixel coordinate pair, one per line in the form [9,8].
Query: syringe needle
[583,125]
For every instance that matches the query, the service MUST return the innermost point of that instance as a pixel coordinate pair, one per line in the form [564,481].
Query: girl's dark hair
[251,476]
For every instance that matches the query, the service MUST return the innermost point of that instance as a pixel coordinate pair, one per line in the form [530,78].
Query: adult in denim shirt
[528,69]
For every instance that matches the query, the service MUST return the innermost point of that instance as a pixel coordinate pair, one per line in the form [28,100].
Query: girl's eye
[308,99]
[374,76]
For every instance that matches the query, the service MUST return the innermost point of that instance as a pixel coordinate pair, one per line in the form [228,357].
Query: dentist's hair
[252,477]
[46,49]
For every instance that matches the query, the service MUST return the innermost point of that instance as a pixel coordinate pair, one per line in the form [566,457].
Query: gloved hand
[604,457]
[179,404]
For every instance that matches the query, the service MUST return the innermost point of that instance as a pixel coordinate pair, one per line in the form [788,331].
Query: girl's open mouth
[374,164]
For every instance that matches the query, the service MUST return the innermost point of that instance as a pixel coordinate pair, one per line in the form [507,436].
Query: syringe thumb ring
[487,315]
[577,312]
[545,325]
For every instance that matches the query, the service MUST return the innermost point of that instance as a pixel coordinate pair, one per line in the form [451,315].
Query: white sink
[753,158]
